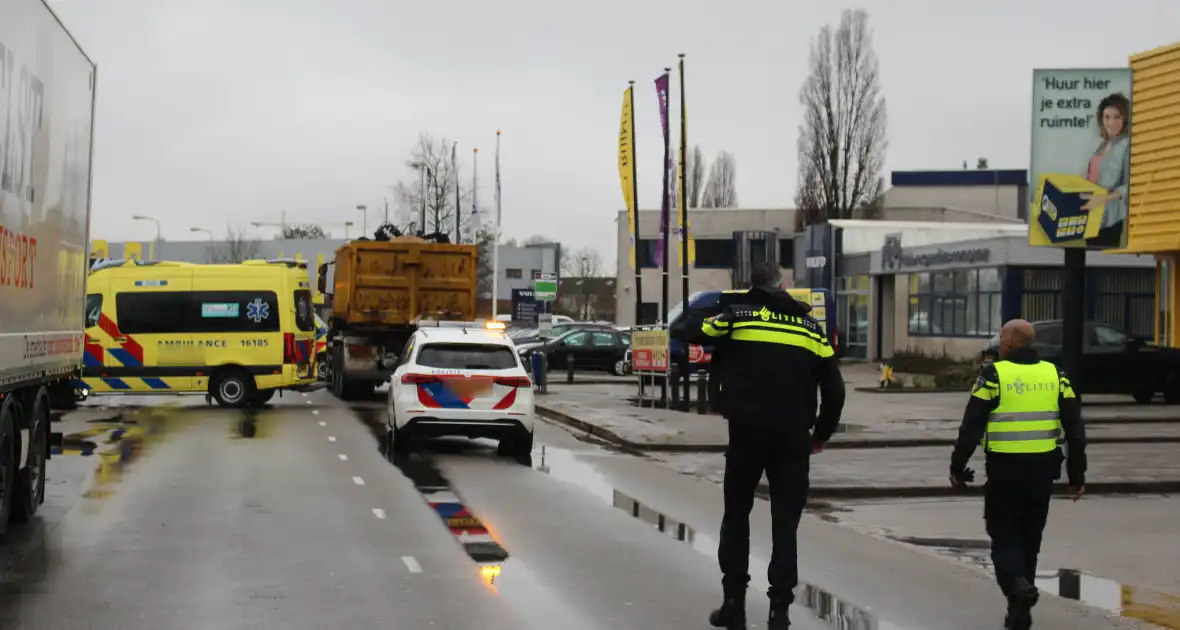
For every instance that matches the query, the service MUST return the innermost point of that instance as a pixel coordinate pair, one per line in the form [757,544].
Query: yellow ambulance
[236,332]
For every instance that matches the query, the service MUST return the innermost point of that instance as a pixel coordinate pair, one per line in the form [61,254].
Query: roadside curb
[913,390]
[921,492]
[836,444]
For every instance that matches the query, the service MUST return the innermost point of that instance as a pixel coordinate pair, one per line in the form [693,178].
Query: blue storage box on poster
[1061,215]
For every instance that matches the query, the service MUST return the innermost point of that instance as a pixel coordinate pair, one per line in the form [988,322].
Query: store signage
[893,257]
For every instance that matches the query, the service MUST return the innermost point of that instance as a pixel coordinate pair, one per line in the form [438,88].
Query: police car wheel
[232,389]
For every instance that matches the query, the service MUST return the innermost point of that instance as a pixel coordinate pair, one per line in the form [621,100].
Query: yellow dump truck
[380,292]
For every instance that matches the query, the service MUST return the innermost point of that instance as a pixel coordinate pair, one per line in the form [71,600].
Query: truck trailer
[380,291]
[47,102]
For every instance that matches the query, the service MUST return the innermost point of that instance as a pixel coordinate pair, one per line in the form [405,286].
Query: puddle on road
[1145,604]
[504,575]
[565,465]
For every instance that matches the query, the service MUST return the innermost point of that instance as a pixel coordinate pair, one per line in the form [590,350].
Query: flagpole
[683,208]
[496,236]
[458,208]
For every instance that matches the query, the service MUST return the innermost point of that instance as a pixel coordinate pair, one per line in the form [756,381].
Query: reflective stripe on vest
[1027,418]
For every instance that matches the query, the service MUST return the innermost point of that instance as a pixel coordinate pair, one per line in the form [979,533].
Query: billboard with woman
[1081,158]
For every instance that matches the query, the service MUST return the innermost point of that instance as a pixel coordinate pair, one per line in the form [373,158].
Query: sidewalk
[922,472]
[870,421]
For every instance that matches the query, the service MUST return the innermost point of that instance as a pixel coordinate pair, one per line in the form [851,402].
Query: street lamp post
[156,247]
[197,229]
[365,213]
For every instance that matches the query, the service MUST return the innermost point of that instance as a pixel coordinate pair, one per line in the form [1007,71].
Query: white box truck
[46,133]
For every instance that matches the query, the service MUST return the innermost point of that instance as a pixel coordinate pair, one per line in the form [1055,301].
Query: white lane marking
[331,438]
[342,457]
[304,394]
[323,424]
[379,513]
[412,564]
[309,402]
[358,481]
[315,412]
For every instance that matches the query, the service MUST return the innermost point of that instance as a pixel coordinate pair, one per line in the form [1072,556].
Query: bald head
[1016,334]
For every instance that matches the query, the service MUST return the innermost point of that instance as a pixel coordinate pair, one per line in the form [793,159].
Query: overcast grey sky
[228,111]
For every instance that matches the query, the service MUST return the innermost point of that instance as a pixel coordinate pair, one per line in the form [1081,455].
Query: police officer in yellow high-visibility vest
[1019,407]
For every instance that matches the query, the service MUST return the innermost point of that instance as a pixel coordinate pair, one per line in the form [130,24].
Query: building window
[535,273]
[645,253]
[513,274]
[961,303]
[714,253]
[786,252]
[1163,326]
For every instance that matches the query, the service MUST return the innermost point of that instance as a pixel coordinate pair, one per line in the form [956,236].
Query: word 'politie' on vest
[1019,386]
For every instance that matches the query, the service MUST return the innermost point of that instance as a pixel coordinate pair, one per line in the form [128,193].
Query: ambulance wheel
[29,493]
[232,388]
[7,460]
[262,396]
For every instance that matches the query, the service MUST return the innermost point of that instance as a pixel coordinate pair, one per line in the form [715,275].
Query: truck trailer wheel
[29,490]
[232,388]
[7,460]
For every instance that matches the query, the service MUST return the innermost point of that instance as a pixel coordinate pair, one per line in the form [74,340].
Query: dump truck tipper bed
[380,291]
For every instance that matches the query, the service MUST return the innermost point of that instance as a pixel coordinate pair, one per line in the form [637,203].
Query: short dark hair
[765,275]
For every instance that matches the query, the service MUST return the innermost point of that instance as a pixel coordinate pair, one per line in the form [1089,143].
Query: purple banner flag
[665,198]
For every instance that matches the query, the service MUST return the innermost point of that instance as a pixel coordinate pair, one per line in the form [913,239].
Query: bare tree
[537,239]
[237,247]
[432,177]
[721,187]
[302,231]
[842,138]
[694,179]
[981,164]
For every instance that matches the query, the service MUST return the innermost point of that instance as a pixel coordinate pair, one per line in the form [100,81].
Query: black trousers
[751,452]
[1015,507]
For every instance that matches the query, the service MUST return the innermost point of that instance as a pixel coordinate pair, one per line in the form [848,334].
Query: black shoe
[1020,605]
[778,618]
[731,615]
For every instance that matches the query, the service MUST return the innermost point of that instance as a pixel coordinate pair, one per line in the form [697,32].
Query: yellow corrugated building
[1154,204]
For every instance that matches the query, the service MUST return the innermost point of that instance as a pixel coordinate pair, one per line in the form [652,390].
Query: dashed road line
[323,424]
[315,412]
[342,457]
[412,564]
[379,513]
[358,481]
[331,438]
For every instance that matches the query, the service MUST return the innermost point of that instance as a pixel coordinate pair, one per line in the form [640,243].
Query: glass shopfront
[852,297]
[958,303]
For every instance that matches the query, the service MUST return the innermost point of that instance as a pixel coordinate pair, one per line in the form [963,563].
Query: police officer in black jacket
[775,356]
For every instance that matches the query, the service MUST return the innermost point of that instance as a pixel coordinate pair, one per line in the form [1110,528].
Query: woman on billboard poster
[1109,167]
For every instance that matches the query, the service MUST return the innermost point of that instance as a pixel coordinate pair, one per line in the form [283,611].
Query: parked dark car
[592,348]
[533,335]
[1113,362]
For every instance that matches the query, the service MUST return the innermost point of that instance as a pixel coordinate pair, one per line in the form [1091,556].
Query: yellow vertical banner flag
[132,251]
[626,169]
[100,249]
[687,232]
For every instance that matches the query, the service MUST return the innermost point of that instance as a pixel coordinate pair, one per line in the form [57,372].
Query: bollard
[569,368]
[674,377]
[540,378]
[703,392]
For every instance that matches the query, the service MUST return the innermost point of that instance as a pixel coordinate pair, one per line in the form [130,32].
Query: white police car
[460,379]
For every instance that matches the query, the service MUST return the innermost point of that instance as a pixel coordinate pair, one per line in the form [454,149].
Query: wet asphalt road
[306,525]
